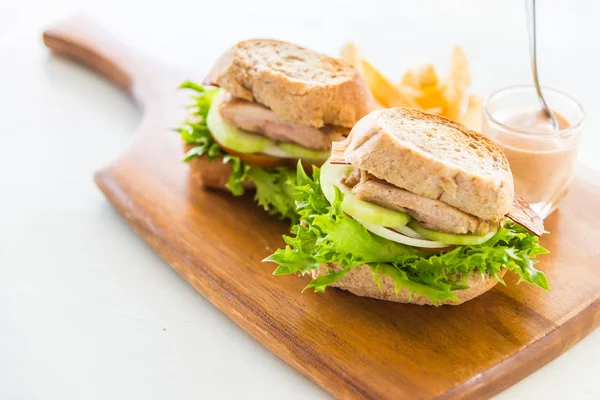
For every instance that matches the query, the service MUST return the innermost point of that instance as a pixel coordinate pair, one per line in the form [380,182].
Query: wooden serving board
[354,347]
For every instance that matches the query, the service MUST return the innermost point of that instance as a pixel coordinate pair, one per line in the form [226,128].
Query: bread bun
[300,85]
[434,157]
[212,174]
[359,281]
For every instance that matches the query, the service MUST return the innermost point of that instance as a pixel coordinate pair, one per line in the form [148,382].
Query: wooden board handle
[81,40]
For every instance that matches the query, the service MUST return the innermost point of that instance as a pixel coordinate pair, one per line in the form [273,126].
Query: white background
[87,311]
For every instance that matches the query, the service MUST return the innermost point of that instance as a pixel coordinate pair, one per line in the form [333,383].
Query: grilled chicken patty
[254,117]
[432,214]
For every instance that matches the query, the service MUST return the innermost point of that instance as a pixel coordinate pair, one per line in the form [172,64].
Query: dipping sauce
[541,164]
[541,159]
[535,122]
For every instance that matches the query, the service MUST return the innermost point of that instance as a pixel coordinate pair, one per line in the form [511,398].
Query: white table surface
[87,310]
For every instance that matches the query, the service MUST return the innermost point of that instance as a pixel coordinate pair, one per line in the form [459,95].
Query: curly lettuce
[274,186]
[326,235]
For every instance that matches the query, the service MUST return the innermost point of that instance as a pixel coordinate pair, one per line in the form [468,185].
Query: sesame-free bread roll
[300,85]
[434,157]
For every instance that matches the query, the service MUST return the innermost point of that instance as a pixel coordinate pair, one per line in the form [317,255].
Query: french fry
[427,75]
[455,85]
[421,87]
[432,97]
[410,78]
[410,90]
[423,76]
[436,110]
[472,118]
[384,91]
[351,55]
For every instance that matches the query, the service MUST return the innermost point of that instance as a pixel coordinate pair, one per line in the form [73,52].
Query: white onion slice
[281,150]
[405,230]
[400,238]
[276,151]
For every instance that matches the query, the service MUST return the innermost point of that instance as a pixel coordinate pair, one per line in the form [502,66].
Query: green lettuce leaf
[239,174]
[275,190]
[194,130]
[326,235]
[274,186]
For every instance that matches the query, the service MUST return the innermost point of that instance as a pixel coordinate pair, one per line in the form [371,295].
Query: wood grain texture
[354,347]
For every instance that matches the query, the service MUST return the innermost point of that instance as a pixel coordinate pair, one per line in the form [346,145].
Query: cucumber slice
[297,151]
[450,238]
[331,175]
[232,137]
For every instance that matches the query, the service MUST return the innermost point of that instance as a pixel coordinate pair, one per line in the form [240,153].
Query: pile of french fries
[422,88]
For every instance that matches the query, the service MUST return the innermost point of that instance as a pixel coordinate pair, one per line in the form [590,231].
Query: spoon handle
[531,25]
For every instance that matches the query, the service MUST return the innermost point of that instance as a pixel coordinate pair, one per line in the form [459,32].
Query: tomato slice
[260,160]
[267,161]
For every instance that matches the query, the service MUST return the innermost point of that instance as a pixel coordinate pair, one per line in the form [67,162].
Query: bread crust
[359,281]
[318,89]
[212,174]
[434,157]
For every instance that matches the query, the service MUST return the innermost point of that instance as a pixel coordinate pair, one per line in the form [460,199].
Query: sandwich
[413,208]
[265,105]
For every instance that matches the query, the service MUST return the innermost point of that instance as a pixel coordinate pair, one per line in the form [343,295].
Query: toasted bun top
[434,157]
[300,85]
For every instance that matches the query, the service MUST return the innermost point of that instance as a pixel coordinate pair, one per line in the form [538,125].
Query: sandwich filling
[424,222]
[345,224]
[254,117]
[432,214]
[274,103]
[234,126]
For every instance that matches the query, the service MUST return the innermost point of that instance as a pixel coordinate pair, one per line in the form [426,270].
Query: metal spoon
[530,7]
